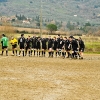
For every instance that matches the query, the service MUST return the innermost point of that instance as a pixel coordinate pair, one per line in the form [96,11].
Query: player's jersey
[21,41]
[50,43]
[28,42]
[55,44]
[74,44]
[34,39]
[4,41]
[38,44]
[67,45]
[44,41]
[13,41]
[81,44]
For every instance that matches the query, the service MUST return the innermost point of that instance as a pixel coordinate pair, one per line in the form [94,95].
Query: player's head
[12,37]
[65,38]
[71,38]
[80,38]
[3,35]
[22,35]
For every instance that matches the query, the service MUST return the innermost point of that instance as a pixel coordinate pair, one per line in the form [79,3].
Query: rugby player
[81,47]
[28,46]
[14,43]
[4,42]
[21,43]
[50,45]
[34,39]
[55,44]
[38,46]
[44,46]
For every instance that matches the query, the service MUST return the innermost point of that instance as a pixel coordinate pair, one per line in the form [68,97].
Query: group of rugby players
[56,47]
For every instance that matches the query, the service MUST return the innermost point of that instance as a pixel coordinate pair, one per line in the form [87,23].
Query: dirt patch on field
[37,78]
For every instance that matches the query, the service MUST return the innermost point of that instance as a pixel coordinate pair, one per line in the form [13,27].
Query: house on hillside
[26,22]
[98,16]
[3,19]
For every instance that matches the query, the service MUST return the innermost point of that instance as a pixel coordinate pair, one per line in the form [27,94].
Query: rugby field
[38,78]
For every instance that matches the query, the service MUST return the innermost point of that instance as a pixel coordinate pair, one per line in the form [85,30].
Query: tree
[52,27]
[70,26]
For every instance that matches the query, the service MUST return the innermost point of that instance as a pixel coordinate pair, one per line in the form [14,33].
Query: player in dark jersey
[60,45]
[44,46]
[55,43]
[28,46]
[38,46]
[34,39]
[81,47]
[50,45]
[63,47]
[74,46]
[21,43]
[67,47]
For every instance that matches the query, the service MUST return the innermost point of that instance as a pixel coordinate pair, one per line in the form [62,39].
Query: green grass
[92,44]
[92,47]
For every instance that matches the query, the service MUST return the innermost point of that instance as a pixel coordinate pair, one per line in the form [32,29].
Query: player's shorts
[44,47]
[28,47]
[22,46]
[81,49]
[14,46]
[3,47]
[34,46]
[54,48]
[38,47]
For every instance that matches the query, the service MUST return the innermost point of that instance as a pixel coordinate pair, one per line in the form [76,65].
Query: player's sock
[13,52]
[19,52]
[29,52]
[39,53]
[16,52]
[23,53]
[34,52]
[44,53]
[2,52]
[52,54]
[63,54]
[56,53]
[6,52]
[49,54]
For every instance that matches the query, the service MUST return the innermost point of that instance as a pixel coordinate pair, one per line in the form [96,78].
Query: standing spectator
[14,43]
[4,41]
[21,43]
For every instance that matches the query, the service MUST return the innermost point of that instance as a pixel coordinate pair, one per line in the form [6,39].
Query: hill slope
[63,10]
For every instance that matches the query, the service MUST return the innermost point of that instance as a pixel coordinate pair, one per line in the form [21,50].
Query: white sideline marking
[9,78]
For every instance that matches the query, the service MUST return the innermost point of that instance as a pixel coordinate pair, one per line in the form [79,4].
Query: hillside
[63,10]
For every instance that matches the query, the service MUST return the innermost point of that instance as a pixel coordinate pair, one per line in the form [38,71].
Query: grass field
[37,78]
